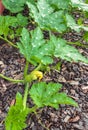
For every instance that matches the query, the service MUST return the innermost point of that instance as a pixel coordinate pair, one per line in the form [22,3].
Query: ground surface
[73,76]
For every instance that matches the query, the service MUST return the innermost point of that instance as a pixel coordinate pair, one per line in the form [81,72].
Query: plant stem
[38,67]
[9,42]
[25,95]
[10,79]
[26,68]
[27,84]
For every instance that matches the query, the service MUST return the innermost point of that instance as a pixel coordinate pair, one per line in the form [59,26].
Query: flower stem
[10,79]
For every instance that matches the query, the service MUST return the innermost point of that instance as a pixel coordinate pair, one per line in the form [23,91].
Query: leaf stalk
[9,42]
[25,95]
[10,79]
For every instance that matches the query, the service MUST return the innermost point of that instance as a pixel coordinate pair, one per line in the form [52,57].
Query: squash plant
[51,15]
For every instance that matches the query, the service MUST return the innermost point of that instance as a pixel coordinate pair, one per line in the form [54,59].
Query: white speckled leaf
[80,4]
[66,52]
[46,17]
[34,48]
[60,4]
[72,24]
[47,95]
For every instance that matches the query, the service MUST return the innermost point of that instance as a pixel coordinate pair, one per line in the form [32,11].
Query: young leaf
[34,47]
[14,5]
[46,17]
[47,95]
[16,117]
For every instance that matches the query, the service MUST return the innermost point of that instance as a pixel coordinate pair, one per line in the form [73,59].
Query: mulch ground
[73,76]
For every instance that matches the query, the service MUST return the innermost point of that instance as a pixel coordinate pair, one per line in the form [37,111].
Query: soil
[73,76]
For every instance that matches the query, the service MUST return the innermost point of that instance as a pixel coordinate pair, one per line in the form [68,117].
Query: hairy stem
[9,42]
[26,69]
[25,95]
[10,79]
[38,67]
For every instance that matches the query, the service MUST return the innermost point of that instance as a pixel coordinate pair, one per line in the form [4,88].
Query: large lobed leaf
[66,52]
[47,95]
[50,14]
[35,48]
[15,119]
[66,4]
[46,16]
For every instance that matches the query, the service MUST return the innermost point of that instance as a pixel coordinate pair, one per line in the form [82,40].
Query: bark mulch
[73,76]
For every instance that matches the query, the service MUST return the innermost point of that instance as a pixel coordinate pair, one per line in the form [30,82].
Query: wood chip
[75,119]
[73,82]
[12,102]
[85,88]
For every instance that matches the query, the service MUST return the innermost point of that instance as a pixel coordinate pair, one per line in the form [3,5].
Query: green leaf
[35,48]
[62,98]
[46,17]
[60,4]
[85,37]
[66,52]
[14,5]
[72,24]
[80,4]
[22,20]
[16,117]
[57,66]
[6,22]
[47,95]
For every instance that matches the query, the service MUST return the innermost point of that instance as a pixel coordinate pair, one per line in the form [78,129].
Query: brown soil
[73,76]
